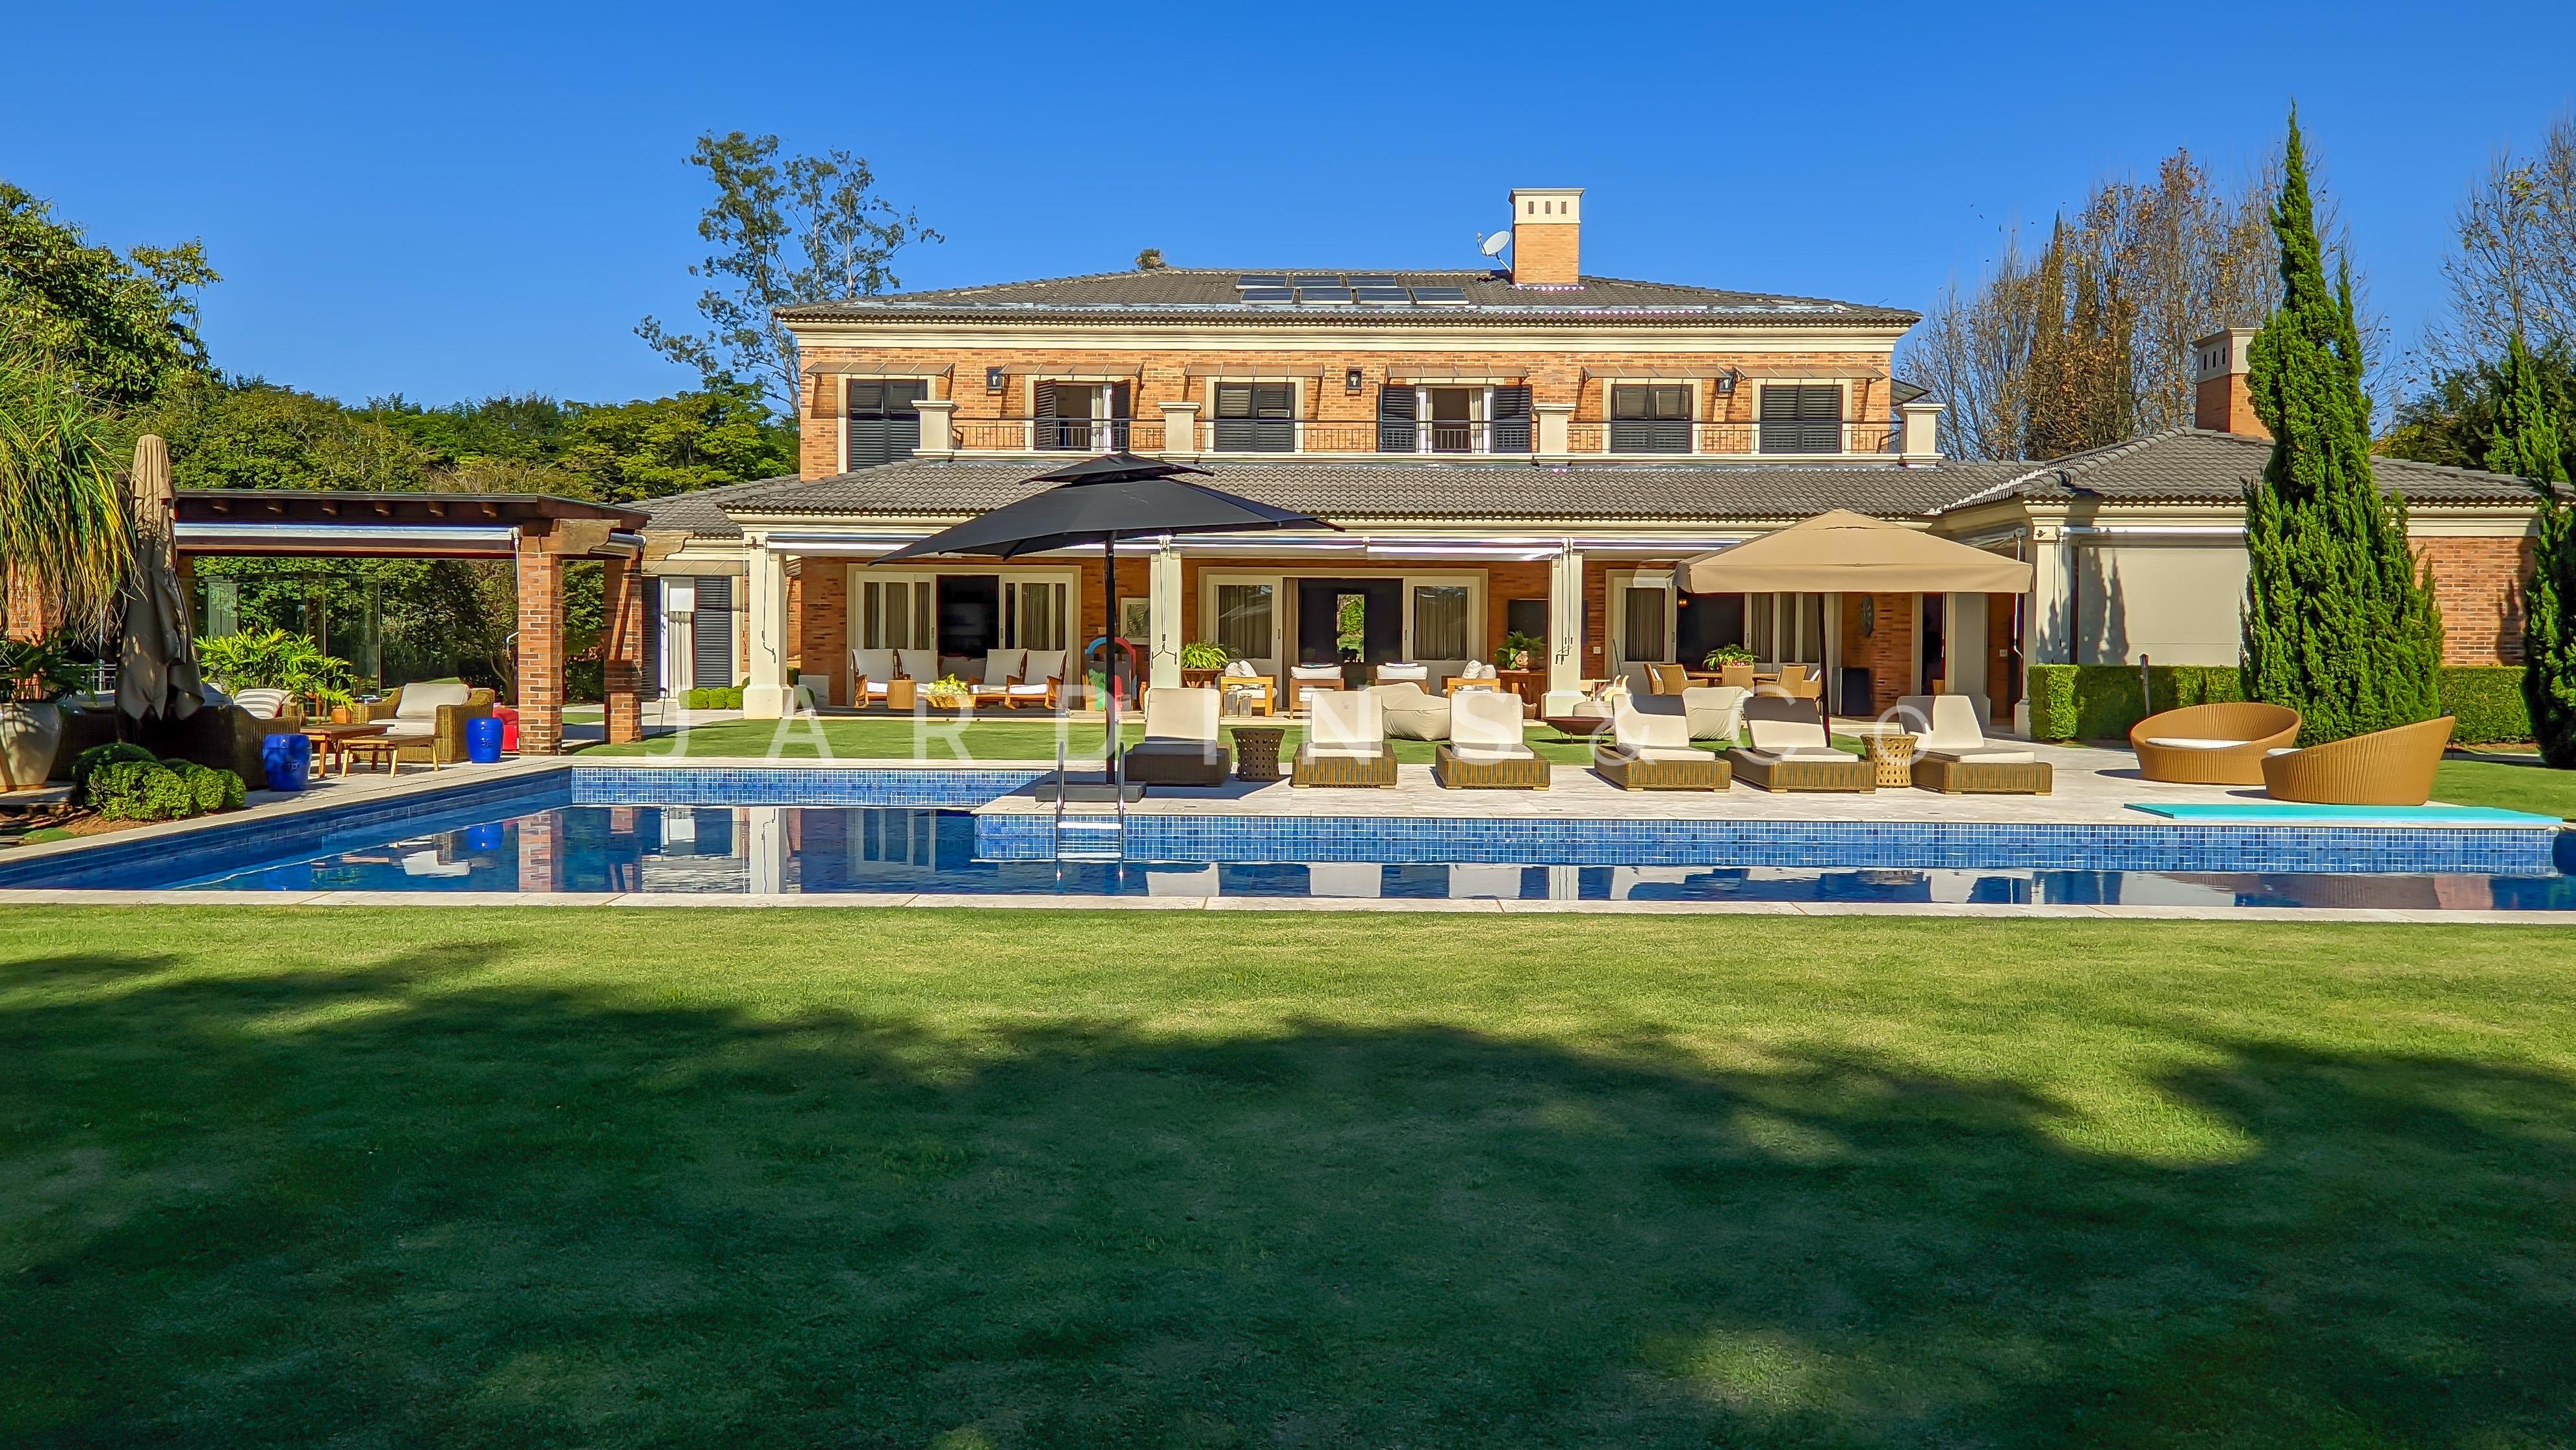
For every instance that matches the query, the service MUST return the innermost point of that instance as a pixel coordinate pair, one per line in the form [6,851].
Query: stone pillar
[1555,432]
[1963,646]
[1180,428]
[766,645]
[1922,437]
[541,649]
[1565,622]
[1163,592]
[621,647]
[938,428]
[539,836]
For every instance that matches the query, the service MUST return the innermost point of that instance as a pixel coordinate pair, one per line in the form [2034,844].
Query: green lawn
[1024,1177]
[2518,787]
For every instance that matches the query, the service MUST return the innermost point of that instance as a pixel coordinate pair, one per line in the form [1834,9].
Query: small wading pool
[882,850]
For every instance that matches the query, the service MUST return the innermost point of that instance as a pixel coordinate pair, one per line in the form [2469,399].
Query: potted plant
[948,693]
[1202,661]
[34,676]
[1727,654]
[277,660]
[1518,650]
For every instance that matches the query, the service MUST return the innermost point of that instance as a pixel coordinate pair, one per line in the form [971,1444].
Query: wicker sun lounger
[1953,756]
[1484,750]
[1650,749]
[1345,741]
[2383,768]
[2222,744]
[1792,751]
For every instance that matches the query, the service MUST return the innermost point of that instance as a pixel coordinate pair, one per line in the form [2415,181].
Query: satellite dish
[1493,245]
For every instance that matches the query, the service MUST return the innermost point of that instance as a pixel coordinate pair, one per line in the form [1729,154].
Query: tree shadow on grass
[377,1208]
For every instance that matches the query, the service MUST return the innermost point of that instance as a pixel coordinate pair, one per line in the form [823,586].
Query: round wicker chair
[2252,730]
[2383,768]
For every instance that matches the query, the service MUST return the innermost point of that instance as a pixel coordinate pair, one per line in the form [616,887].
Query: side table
[1256,751]
[1892,756]
[899,696]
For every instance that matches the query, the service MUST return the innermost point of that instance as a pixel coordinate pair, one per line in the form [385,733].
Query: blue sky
[454,200]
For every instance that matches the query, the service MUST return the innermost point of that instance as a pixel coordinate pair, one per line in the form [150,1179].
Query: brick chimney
[2220,402]
[1547,236]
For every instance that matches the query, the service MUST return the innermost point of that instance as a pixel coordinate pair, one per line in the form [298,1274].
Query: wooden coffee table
[331,741]
[374,751]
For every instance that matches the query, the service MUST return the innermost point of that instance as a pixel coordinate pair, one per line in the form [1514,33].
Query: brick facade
[2478,583]
[621,647]
[1340,420]
[1887,651]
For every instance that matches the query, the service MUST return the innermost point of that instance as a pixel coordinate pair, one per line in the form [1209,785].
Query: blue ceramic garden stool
[287,760]
[483,740]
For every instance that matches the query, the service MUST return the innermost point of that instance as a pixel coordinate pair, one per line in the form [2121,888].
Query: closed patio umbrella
[1100,501]
[156,663]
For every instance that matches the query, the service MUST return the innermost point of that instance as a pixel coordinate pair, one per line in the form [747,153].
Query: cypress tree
[2339,624]
[2527,446]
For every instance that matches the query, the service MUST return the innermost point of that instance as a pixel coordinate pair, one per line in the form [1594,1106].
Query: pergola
[538,533]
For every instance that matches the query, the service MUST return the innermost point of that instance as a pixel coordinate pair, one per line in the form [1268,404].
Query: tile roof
[2178,466]
[2196,466]
[1210,292]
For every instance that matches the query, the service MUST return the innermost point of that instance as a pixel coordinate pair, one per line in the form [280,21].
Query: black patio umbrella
[1100,501]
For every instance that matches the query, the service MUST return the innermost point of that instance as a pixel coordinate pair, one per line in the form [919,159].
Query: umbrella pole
[1109,655]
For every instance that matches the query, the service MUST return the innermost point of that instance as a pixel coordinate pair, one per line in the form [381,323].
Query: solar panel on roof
[1319,280]
[1441,296]
[1261,279]
[1268,294]
[1373,279]
[1381,294]
[1324,294]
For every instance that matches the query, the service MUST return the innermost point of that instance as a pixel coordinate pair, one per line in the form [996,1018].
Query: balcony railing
[1059,435]
[1638,438]
[1509,437]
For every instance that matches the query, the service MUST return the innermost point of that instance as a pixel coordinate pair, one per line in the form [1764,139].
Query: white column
[938,428]
[765,698]
[1921,440]
[1565,622]
[2047,615]
[764,841]
[1163,591]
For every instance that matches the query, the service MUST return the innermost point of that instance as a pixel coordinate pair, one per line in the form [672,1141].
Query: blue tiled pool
[906,831]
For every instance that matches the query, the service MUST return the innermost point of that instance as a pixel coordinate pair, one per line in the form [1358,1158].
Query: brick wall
[541,653]
[1887,651]
[1553,376]
[1547,253]
[2223,405]
[2478,583]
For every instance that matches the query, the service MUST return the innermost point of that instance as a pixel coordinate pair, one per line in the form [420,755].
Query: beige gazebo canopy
[1847,553]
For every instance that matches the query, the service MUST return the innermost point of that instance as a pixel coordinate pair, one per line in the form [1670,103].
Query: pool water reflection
[896,851]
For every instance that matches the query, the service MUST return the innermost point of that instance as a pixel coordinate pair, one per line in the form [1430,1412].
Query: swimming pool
[885,832]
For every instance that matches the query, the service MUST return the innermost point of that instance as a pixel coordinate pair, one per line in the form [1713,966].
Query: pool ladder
[1089,836]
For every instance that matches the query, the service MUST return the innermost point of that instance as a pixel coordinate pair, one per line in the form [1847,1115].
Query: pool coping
[917,901]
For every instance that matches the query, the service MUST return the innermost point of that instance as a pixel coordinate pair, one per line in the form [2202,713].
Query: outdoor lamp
[1352,380]
[993,380]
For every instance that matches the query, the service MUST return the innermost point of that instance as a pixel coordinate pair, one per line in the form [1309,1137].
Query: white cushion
[1003,665]
[1348,718]
[2194,742]
[401,729]
[877,664]
[921,666]
[1345,752]
[1182,714]
[1241,670]
[1490,752]
[1669,753]
[1482,720]
[1403,672]
[421,702]
[1661,729]
[1779,726]
[1037,689]
[1985,757]
[1043,665]
[879,687]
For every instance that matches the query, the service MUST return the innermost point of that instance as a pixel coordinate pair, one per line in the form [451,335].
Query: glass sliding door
[1439,622]
[897,613]
[1034,614]
[1247,622]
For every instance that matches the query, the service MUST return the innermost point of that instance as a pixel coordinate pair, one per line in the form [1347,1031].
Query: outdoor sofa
[2383,768]
[2221,744]
[1345,741]
[1792,751]
[1182,745]
[425,719]
[1953,756]
[1485,750]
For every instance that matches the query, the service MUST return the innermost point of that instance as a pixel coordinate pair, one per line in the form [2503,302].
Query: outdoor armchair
[872,673]
[1182,745]
[2222,744]
[1246,687]
[1305,682]
[426,719]
[2383,768]
[1040,681]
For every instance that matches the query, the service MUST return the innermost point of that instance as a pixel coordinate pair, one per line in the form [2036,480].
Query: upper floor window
[880,423]
[1432,419]
[1082,417]
[1802,418]
[1650,418]
[1256,417]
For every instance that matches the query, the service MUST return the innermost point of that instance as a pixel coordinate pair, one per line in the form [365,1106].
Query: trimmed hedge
[728,697]
[127,783]
[2101,702]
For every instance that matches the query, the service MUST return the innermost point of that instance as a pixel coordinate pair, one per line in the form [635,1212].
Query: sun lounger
[1716,712]
[1484,750]
[1791,750]
[1650,749]
[2222,744]
[1181,744]
[1345,741]
[1952,754]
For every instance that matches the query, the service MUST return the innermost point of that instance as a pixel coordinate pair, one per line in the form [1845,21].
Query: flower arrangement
[1727,654]
[948,692]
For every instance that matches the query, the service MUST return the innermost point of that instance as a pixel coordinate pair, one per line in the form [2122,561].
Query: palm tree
[63,526]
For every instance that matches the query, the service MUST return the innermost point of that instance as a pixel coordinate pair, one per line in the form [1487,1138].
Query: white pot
[29,736]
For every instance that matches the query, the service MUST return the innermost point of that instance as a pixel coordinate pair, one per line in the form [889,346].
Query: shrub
[2101,702]
[727,697]
[585,681]
[1205,655]
[97,757]
[1516,643]
[2488,700]
[276,660]
[213,790]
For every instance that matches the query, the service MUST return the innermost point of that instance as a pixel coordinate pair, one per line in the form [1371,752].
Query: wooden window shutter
[1511,420]
[1397,407]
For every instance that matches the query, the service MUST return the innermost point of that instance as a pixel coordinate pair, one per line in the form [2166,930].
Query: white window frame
[1615,584]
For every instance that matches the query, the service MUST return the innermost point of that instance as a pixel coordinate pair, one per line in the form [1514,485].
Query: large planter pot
[29,736]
